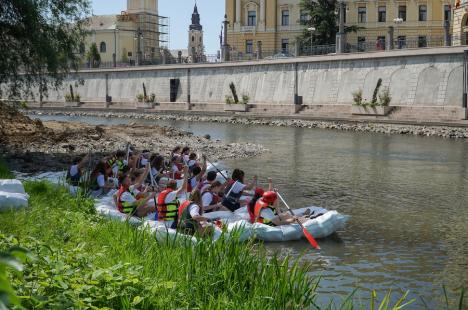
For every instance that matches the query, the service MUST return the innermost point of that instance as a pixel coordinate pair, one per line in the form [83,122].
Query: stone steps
[427,113]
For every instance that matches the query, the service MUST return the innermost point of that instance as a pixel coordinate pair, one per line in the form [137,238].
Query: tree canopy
[40,42]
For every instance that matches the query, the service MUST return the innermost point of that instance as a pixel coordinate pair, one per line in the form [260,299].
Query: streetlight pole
[341,35]
[139,36]
[114,56]
[311,30]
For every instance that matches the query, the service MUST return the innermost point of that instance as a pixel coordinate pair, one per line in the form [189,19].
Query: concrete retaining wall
[416,78]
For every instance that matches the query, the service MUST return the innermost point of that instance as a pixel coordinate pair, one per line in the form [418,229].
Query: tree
[93,57]
[324,18]
[40,42]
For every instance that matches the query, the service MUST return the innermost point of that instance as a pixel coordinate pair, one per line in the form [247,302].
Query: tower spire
[195,19]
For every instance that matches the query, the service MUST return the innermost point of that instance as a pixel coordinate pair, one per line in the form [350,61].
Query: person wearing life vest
[191,219]
[234,190]
[196,176]
[75,171]
[118,162]
[99,182]
[127,201]
[209,179]
[168,202]
[176,167]
[257,195]
[267,212]
[210,199]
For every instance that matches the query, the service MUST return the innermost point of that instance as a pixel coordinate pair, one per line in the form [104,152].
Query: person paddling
[210,199]
[191,219]
[267,212]
[127,201]
[75,172]
[168,202]
[100,183]
[234,190]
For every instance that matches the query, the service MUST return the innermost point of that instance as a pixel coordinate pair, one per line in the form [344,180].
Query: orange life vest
[167,211]
[259,206]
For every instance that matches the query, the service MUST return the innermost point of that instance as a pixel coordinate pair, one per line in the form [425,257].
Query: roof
[102,22]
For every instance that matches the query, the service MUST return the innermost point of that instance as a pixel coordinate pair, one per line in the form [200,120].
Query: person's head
[102,168]
[196,171]
[120,154]
[211,176]
[172,184]
[193,156]
[196,197]
[176,150]
[157,162]
[146,154]
[215,187]
[176,159]
[270,197]
[238,175]
[77,160]
[135,174]
[185,150]
[125,180]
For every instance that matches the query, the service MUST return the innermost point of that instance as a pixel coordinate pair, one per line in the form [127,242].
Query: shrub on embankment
[81,260]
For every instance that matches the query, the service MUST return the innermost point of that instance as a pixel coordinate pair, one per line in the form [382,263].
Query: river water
[407,197]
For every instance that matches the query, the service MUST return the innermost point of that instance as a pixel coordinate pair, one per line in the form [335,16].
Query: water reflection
[407,197]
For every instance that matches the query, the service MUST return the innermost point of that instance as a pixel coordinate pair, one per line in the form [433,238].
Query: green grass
[4,171]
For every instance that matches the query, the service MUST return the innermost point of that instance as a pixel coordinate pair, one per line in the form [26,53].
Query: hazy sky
[180,14]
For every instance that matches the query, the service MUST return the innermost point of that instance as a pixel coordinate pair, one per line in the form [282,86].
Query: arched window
[102,47]
[193,38]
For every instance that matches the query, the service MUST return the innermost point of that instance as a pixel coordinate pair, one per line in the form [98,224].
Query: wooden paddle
[307,234]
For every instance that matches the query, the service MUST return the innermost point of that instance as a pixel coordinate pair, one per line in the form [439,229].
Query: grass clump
[5,173]
[81,260]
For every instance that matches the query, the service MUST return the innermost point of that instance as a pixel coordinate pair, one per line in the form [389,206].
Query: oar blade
[311,239]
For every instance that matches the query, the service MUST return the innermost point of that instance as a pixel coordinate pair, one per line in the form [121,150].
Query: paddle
[152,184]
[222,174]
[308,235]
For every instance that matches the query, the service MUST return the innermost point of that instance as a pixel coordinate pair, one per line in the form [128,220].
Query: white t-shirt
[194,210]
[193,182]
[175,168]
[186,158]
[129,196]
[267,214]
[143,162]
[170,197]
[74,170]
[237,187]
[207,198]
[191,162]
[101,180]
[204,186]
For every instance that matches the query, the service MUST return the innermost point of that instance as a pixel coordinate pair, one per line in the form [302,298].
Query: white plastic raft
[12,195]
[320,227]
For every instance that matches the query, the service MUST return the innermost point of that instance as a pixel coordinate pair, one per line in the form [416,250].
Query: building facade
[274,24]
[460,24]
[134,36]
[277,24]
[416,23]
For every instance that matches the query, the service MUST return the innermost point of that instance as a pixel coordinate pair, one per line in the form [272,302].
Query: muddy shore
[31,146]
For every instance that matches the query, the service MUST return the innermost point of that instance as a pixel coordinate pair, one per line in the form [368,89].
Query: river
[407,197]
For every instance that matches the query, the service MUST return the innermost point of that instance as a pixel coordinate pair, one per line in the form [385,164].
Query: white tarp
[12,195]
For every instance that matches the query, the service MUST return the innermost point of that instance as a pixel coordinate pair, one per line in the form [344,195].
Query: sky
[180,14]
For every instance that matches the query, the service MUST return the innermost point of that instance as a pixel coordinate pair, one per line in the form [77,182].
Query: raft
[12,195]
[236,223]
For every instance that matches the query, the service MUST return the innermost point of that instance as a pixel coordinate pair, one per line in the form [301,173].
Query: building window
[249,47]
[401,42]
[252,18]
[422,13]
[362,14]
[285,46]
[285,18]
[382,14]
[129,54]
[447,12]
[304,18]
[102,47]
[361,42]
[402,12]
[422,41]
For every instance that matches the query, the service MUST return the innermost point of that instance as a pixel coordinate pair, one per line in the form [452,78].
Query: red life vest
[122,190]
[259,206]
[167,211]
[178,175]
[216,199]
[184,206]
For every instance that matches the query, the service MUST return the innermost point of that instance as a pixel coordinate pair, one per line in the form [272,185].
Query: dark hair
[122,178]
[157,162]
[135,174]
[185,149]
[211,176]
[252,202]
[172,184]
[120,153]
[196,171]
[215,184]
[192,156]
[177,148]
[101,167]
[77,160]
[238,175]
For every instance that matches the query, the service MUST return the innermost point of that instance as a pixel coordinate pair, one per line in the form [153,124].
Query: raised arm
[183,188]
[252,184]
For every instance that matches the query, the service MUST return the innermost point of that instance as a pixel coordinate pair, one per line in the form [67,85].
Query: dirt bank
[32,146]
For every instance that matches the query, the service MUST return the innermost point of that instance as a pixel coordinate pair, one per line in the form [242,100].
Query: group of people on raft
[146,183]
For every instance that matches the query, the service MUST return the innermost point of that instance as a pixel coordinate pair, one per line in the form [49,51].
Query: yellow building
[134,36]
[274,23]
[416,23]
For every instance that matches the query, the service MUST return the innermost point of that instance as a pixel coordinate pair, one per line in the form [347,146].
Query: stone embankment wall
[425,84]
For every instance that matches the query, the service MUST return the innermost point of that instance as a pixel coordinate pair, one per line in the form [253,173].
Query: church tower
[196,50]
